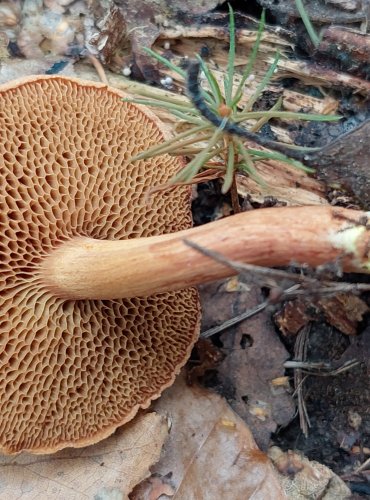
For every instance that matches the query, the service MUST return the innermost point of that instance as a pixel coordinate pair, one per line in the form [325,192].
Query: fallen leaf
[211,453]
[108,470]
[254,356]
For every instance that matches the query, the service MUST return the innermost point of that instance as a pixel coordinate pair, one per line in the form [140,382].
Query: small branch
[363,466]
[300,352]
[234,321]
[98,67]
[313,285]
[321,369]
[304,286]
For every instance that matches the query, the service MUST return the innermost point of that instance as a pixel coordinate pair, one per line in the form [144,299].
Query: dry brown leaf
[108,470]
[210,453]
[254,357]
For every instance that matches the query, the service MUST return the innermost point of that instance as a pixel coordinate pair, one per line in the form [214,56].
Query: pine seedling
[214,136]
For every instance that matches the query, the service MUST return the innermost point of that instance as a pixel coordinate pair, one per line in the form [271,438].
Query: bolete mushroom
[72,371]
[96,314]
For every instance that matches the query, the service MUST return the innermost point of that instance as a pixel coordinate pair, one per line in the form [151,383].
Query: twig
[310,285]
[246,315]
[363,466]
[99,67]
[321,369]
[300,352]
[313,285]
[234,321]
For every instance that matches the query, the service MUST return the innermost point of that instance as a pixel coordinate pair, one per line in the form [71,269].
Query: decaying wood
[312,74]
[290,186]
[345,41]
[332,11]
[283,183]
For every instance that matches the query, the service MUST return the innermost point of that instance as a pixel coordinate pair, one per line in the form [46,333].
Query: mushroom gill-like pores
[78,233]
[72,371]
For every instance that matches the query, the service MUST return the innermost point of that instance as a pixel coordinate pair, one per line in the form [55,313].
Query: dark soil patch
[332,401]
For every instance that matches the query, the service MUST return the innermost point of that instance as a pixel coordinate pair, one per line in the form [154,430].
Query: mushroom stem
[85,268]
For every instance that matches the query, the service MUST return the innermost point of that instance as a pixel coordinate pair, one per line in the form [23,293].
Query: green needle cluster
[211,147]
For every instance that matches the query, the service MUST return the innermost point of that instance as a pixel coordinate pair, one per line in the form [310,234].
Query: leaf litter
[106,471]
[211,453]
[254,357]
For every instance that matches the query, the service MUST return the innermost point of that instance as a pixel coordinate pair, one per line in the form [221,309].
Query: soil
[331,401]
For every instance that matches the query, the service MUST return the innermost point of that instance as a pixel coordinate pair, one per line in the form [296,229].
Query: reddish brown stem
[85,268]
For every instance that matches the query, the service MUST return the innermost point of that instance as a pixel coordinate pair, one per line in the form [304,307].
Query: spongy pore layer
[72,371]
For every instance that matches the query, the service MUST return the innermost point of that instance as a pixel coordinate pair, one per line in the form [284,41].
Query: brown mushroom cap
[72,371]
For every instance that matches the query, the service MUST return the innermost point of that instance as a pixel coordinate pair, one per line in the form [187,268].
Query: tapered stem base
[85,268]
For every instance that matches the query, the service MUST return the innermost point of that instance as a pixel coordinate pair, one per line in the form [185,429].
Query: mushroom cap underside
[71,372]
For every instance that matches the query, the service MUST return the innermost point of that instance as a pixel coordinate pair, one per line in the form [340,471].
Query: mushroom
[72,371]
[97,316]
